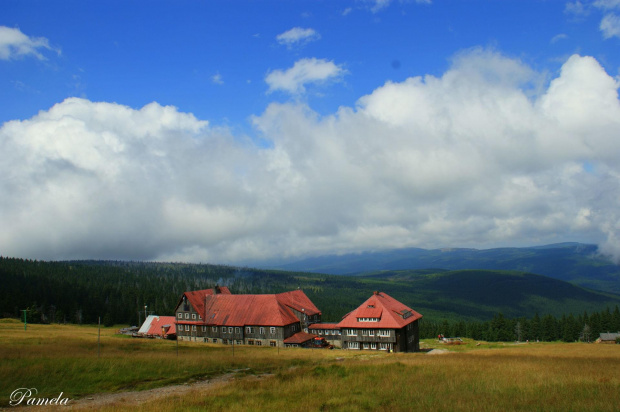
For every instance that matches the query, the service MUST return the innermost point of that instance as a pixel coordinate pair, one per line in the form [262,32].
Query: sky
[235,131]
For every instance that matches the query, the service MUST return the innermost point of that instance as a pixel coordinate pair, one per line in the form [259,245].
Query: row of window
[328,332]
[367,332]
[230,329]
[370,345]
[368,319]
[180,316]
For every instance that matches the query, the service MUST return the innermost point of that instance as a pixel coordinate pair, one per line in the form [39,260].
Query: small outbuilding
[608,337]
[162,327]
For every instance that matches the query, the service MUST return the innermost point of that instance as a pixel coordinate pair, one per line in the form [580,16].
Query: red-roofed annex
[381,323]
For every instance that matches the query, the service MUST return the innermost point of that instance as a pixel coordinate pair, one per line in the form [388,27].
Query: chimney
[216,290]
[376,292]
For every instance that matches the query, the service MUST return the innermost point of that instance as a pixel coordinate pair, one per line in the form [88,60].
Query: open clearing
[138,374]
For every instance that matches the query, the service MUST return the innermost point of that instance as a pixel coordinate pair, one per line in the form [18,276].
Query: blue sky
[224,131]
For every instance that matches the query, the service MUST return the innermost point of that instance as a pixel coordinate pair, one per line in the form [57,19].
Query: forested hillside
[83,291]
[580,264]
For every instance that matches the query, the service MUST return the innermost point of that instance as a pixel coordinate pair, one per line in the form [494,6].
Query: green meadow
[476,376]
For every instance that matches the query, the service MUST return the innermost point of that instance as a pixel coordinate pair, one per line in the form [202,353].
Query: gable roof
[153,325]
[163,325]
[299,338]
[197,297]
[242,310]
[226,309]
[391,314]
[609,336]
[298,300]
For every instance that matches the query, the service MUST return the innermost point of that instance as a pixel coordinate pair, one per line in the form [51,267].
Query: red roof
[197,297]
[225,309]
[242,310]
[299,338]
[298,300]
[163,324]
[325,326]
[391,313]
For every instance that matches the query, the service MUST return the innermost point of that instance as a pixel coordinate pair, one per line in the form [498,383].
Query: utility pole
[25,319]
[99,339]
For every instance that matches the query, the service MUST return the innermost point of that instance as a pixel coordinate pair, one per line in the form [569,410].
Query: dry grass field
[488,377]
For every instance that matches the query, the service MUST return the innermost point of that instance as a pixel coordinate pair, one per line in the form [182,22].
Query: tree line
[548,328]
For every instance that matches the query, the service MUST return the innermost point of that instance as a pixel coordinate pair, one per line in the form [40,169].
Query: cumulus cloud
[303,72]
[14,45]
[470,158]
[297,36]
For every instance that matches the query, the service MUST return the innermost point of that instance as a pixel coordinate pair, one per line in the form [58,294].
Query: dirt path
[127,399]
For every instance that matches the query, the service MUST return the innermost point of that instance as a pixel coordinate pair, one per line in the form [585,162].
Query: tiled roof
[242,310]
[317,326]
[298,300]
[299,338]
[225,309]
[197,297]
[392,314]
[153,325]
[162,323]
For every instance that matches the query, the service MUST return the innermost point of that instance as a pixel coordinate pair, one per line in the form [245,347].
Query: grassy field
[471,377]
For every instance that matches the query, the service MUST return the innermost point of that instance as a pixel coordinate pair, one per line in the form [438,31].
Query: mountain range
[577,263]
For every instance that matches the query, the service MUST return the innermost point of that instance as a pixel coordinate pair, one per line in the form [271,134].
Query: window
[194,328]
[223,330]
[250,342]
[214,328]
[351,332]
[204,328]
[230,330]
[354,345]
[193,316]
[259,343]
[239,342]
[249,329]
[214,340]
[261,331]
[272,330]
[187,316]
[187,328]
[237,330]
[373,345]
[272,343]
[366,345]
[180,315]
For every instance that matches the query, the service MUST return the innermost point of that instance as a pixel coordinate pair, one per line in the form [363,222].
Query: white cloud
[217,78]
[610,25]
[14,45]
[303,72]
[297,36]
[470,158]
[607,4]
[559,37]
[576,8]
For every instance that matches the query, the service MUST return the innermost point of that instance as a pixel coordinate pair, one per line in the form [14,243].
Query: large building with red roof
[217,316]
[380,323]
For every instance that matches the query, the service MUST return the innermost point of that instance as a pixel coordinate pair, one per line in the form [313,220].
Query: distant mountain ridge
[578,263]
